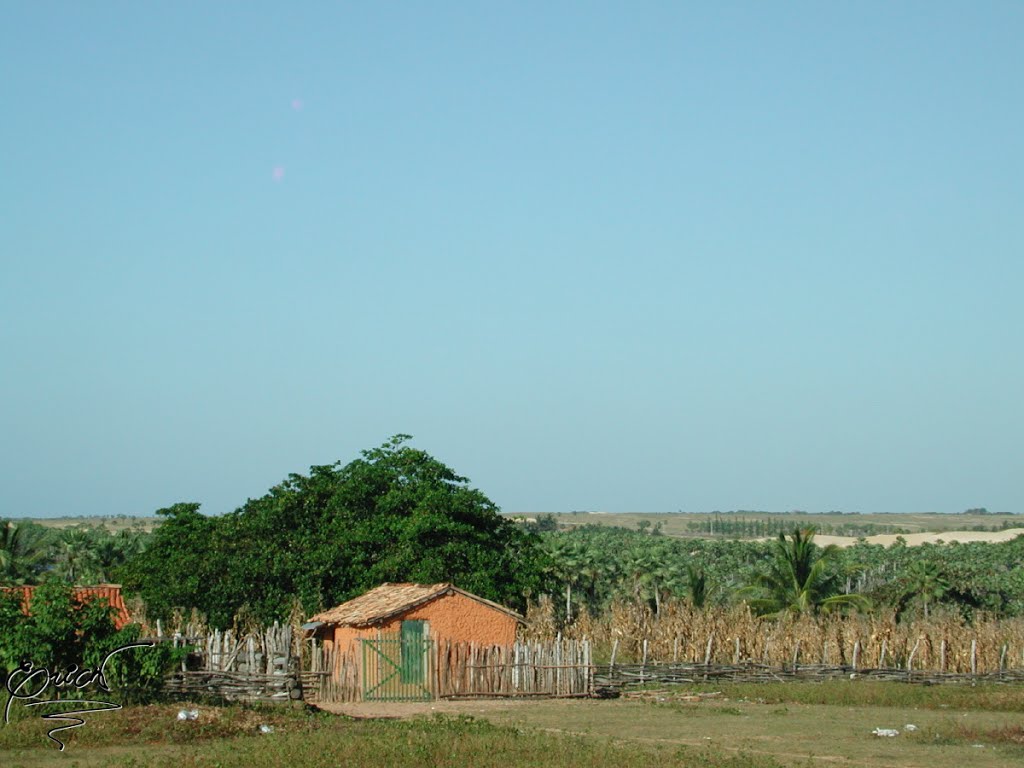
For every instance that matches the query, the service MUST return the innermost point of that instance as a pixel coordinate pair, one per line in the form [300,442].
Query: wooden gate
[398,668]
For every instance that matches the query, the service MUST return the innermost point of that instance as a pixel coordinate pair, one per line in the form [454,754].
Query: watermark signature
[33,685]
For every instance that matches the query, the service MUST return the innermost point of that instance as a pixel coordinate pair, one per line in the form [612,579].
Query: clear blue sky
[625,257]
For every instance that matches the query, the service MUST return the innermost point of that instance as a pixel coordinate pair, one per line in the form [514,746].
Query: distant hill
[746,524]
[112,523]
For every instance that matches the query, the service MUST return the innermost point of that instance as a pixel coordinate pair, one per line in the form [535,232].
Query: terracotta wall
[452,617]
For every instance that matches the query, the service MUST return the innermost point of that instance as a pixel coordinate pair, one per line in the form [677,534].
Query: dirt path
[402,709]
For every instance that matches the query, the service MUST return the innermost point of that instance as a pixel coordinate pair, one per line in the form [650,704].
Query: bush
[66,635]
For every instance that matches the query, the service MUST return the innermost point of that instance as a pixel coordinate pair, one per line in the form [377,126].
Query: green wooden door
[413,652]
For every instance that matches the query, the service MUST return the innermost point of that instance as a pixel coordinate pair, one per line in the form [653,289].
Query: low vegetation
[234,736]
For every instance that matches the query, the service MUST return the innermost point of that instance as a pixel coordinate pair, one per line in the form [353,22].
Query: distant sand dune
[913,539]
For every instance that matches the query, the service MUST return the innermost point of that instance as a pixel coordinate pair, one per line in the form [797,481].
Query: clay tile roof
[389,600]
[112,593]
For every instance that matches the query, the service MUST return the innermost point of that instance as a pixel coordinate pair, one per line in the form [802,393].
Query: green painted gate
[399,668]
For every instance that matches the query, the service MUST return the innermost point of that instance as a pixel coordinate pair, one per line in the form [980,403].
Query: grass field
[737,726]
[112,523]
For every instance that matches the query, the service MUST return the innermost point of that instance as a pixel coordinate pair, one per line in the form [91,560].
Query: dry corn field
[733,635]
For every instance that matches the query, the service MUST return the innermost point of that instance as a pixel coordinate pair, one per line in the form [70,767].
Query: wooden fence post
[707,655]
[910,658]
[611,666]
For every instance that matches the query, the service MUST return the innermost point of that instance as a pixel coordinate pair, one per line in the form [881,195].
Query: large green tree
[394,514]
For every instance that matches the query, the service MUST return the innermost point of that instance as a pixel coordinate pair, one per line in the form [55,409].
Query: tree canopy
[394,514]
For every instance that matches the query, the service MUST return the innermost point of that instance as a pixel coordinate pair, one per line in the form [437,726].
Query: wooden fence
[258,666]
[563,668]
[272,665]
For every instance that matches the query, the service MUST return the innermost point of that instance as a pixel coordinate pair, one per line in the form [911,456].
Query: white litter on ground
[266,729]
[885,732]
[909,727]
[188,714]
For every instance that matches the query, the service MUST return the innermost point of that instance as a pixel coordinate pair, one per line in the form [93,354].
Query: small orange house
[440,612]
[109,592]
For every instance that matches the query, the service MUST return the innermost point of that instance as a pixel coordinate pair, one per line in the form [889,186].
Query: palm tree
[638,570]
[567,558]
[22,552]
[696,586]
[798,581]
[926,582]
[76,560]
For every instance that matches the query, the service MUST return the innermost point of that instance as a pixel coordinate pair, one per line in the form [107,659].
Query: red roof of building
[389,600]
[111,592]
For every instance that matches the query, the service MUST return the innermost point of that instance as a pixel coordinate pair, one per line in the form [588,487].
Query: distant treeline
[757,527]
[594,566]
[31,553]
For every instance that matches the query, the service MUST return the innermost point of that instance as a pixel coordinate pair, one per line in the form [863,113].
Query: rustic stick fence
[258,666]
[555,669]
[559,669]
[272,664]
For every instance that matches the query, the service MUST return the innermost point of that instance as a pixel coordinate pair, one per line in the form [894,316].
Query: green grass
[745,726]
[873,693]
[228,736]
[798,724]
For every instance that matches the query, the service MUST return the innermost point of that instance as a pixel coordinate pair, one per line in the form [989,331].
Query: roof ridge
[389,599]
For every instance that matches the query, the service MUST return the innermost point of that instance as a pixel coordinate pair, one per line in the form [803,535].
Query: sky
[634,256]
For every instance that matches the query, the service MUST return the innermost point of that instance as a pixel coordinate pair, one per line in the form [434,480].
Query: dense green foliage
[591,566]
[22,552]
[798,579]
[31,553]
[64,633]
[396,514]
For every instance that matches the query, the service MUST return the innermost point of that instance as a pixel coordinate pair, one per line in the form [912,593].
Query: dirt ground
[793,734]
[912,539]
[404,709]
